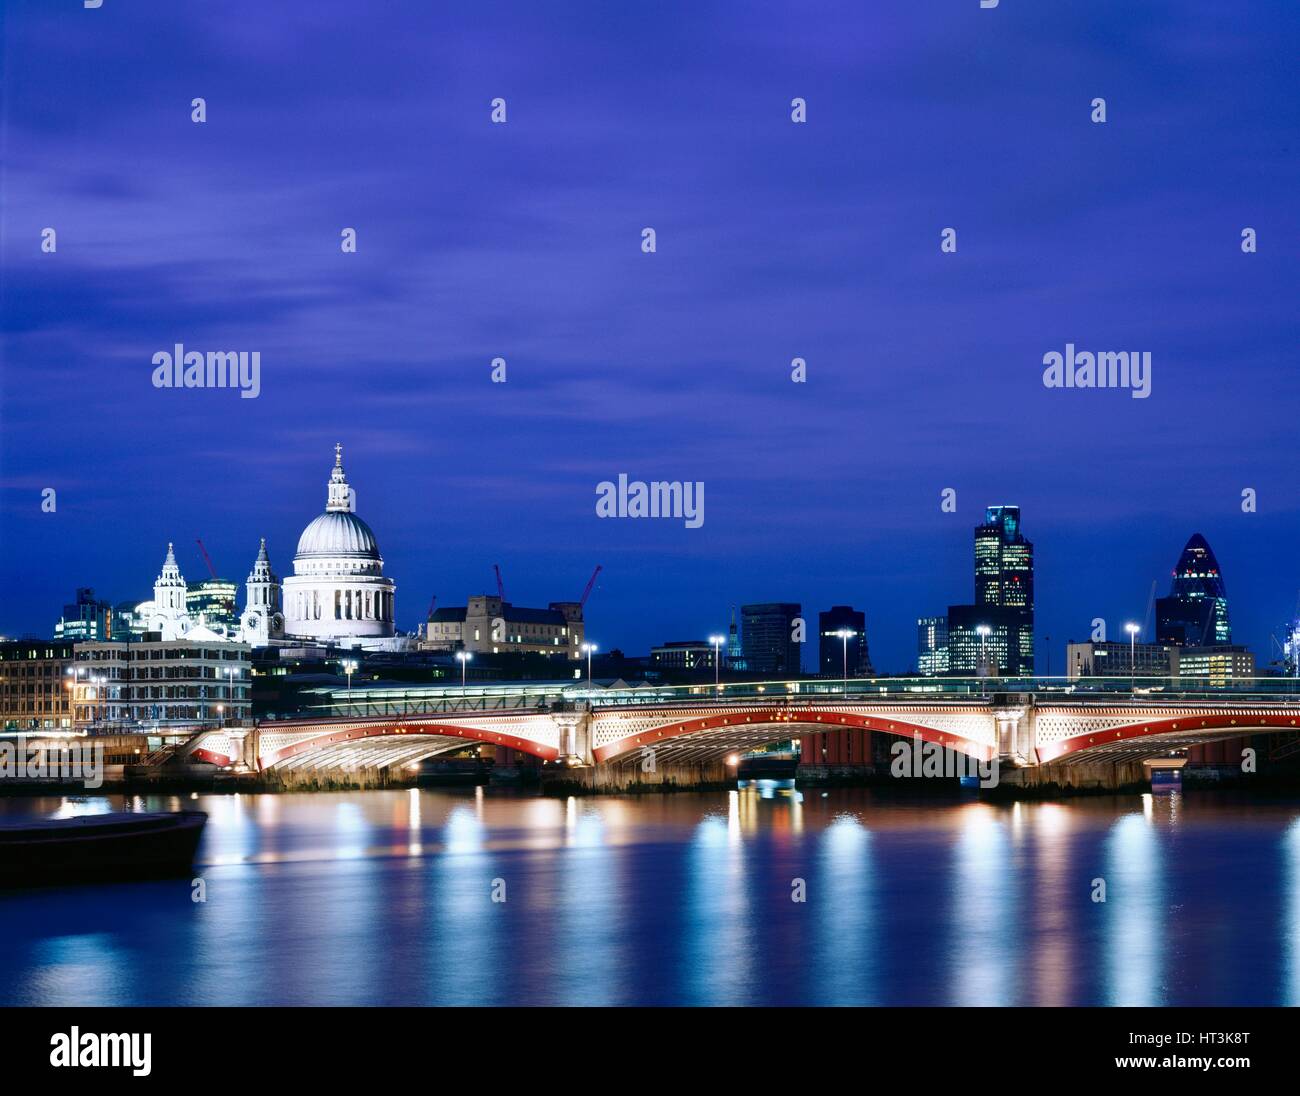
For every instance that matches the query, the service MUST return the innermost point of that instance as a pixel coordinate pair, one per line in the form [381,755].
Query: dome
[338,533]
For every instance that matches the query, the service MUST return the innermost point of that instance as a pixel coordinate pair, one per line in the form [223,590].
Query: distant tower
[734,659]
[1195,614]
[167,614]
[169,587]
[263,618]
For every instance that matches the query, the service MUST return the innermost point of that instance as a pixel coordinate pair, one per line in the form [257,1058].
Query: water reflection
[487,897]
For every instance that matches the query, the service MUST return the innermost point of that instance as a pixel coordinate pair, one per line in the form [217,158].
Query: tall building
[86,618]
[767,641]
[1195,614]
[1004,602]
[932,646]
[832,648]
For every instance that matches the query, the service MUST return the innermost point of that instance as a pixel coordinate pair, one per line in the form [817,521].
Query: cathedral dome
[338,533]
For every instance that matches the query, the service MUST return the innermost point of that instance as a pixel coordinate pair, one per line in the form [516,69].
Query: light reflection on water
[388,897]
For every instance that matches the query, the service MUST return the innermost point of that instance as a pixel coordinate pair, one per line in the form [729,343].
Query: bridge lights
[717,642]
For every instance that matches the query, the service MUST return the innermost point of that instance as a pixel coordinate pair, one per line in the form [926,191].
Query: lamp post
[588,648]
[1132,630]
[463,657]
[983,630]
[349,668]
[717,642]
[845,635]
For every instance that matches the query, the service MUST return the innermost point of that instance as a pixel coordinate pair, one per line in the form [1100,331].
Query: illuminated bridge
[618,735]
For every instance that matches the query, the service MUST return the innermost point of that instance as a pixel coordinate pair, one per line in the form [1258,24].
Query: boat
[99,848]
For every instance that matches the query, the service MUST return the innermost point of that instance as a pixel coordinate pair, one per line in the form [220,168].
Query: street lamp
[1132,630]
[845,635]
[350,668]
[588,647]
[717,642]
[463,657]
[983,630]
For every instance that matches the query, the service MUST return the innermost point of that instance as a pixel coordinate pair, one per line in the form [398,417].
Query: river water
[386,897]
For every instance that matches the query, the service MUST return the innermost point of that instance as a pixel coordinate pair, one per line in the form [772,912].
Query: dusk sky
[775,240]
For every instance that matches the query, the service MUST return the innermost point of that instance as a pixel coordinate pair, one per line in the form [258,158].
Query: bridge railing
[500,697]
[1044,690]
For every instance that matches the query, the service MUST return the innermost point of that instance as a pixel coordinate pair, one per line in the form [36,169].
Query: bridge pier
[693,776]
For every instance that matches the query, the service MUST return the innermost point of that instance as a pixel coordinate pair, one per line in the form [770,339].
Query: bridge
[1070,734]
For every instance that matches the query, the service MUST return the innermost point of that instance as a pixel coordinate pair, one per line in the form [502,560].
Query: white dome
[337,533]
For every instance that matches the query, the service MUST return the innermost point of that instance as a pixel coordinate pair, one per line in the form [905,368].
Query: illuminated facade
[1004,602]
[35,689]
[489,624]
[932,646]
[1195,614]
[338,591]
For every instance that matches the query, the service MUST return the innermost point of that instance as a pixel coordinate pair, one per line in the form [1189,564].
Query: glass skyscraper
[1004,602]
[1195,614]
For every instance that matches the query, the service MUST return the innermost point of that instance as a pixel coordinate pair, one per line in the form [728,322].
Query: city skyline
[1055,660]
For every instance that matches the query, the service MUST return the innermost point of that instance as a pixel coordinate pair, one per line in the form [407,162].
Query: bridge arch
[703,737]
[388,743]
[1154,736]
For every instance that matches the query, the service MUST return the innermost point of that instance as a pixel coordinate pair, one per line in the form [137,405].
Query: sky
[774,240]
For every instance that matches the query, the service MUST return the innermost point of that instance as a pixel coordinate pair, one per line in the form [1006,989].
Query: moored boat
[99,848]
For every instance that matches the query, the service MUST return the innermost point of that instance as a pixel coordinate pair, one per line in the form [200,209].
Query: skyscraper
[1195,614]
[1004,602]
[833,649]
[932,646]
[767,640]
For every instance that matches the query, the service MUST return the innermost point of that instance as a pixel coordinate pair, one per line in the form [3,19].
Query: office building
[768,640]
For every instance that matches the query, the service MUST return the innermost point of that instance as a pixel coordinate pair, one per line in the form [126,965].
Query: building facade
[833,651]
[932,646]
[35,686]
[768,638]
[338,591]
[1118,659]
[1195,614]
[490,624]
[86,618]
[684,656]
[1004,602]
[159,683]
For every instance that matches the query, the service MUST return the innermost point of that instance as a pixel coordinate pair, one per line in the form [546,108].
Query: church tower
[263,620]
[169,587]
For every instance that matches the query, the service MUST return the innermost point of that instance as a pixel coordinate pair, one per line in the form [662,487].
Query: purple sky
[775,240]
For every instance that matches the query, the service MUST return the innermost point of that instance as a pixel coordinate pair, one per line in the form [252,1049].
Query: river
[487,897]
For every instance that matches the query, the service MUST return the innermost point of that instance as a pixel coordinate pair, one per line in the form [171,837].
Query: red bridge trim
[1182,724]
[800,723]
[390,730]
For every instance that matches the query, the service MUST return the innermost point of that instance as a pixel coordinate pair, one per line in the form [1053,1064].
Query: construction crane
[432,602]
[1146,623]
[590,583]
[206,558]
[501,586]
